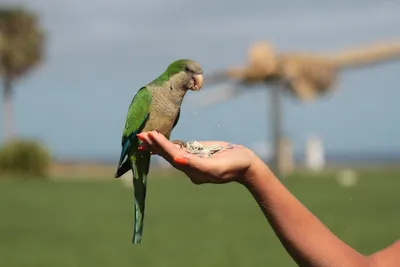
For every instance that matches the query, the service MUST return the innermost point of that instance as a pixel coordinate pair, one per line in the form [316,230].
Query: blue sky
[99,54]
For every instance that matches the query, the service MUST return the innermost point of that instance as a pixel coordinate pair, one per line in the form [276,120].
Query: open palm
[224,166]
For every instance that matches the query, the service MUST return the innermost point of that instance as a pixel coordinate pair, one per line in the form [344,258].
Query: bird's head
[186,74]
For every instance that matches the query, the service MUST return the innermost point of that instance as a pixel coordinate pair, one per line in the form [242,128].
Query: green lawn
[56,224]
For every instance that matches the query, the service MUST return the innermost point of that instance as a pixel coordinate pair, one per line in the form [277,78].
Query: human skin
[308,241]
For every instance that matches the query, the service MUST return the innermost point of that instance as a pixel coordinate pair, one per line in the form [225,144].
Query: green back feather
[136,118]
[138,111]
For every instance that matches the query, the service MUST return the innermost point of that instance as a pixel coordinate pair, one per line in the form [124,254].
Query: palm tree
[21,49]
[303,75]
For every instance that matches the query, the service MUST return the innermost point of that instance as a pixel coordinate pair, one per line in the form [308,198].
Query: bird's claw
[180,143]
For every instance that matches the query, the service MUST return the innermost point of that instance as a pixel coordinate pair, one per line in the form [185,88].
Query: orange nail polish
[180,160]
[140,136]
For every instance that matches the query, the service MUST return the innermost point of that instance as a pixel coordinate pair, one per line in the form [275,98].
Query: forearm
[305,237]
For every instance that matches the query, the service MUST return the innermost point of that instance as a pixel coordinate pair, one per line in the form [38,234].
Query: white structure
[315,154]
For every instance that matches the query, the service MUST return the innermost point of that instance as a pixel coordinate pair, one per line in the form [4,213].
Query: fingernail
[142,148]
[180,160]
[140,136]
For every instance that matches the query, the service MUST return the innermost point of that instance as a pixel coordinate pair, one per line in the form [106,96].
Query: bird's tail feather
[140,167]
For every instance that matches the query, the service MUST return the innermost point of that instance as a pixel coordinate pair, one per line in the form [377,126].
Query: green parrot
[155,107]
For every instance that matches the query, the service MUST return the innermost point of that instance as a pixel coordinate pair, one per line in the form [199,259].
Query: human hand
[224,166]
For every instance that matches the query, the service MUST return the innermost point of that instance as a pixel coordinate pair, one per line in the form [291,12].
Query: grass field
[89,223]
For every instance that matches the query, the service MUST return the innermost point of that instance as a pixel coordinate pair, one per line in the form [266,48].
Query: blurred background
[311,87]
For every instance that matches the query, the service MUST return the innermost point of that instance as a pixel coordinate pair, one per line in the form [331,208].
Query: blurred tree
[304,75]
[21,49]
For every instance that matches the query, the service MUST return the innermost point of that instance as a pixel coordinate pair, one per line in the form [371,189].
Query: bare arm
[305,237]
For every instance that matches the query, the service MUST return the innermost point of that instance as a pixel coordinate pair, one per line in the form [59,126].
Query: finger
[146,141]
[164,145]
[193,162]
[144,137]
[197,180]
[144,146]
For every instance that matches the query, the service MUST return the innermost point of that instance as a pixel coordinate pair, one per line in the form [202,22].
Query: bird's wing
[138,114]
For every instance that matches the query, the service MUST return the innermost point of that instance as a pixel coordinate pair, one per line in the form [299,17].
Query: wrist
[256,174]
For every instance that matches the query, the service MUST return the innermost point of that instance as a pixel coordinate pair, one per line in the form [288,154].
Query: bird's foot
[180,143]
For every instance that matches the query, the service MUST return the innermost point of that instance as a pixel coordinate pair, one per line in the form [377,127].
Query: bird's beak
[198,82]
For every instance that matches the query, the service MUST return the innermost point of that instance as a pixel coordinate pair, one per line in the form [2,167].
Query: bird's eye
[187,69]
